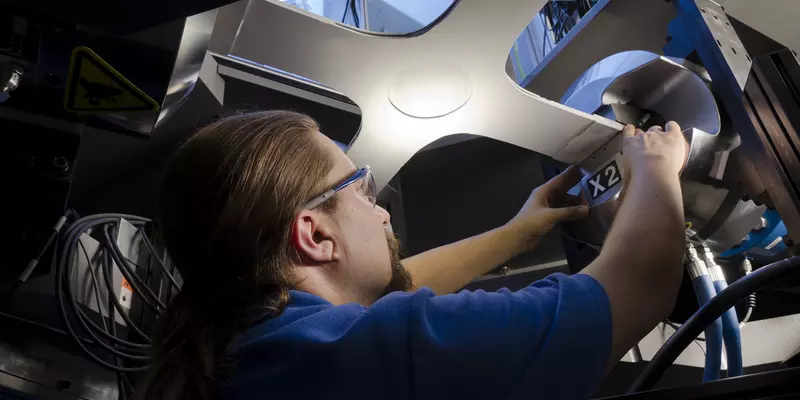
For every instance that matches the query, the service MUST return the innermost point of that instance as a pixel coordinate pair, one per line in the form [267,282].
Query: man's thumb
[569,213]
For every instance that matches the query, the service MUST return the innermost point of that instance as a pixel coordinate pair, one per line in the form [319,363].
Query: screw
[60,163]
[504,270]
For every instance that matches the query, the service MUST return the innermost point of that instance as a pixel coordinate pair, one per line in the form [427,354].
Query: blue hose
[731,335]
[705,292]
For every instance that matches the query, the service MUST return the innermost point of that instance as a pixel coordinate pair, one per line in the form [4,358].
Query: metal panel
[747,108]
[193,44]
[609,28]
[473,39]
[783,342]
[776,19]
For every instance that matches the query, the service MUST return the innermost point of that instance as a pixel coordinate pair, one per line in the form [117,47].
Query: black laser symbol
[97,92]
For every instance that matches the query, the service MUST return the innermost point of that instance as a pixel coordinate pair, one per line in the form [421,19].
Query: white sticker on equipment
[125,294]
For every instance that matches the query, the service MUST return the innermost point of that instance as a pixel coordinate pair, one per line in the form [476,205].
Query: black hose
[764,276]
[72,236]
[136,282]
[161,262]
[65,320]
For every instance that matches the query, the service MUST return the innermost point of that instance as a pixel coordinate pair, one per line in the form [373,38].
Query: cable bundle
[128,356]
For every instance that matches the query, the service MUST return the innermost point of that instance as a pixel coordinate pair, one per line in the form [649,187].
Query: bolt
[504,270]
[60,163]
[13,80]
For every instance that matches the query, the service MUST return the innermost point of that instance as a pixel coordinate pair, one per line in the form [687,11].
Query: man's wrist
[655,169]
[520,236]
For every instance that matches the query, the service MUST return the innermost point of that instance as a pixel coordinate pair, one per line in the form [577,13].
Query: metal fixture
[468,38]
[9,80]
[638,86]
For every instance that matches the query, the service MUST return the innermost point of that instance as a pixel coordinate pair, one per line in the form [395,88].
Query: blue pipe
[731,335]
[705,291]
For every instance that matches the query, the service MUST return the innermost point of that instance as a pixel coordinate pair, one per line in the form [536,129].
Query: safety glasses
[363,176]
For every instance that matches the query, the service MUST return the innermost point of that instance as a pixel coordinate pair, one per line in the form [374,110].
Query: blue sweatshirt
[549,340]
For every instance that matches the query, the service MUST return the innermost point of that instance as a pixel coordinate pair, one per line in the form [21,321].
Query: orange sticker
[126,285]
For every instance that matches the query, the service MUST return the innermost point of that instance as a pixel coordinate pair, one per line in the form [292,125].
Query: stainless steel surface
[774,18]
[473,37]
[727,39]
[193,44]
[271,78]
[191,47]
[610,27]
[632,85]
[736,226]
[651,82]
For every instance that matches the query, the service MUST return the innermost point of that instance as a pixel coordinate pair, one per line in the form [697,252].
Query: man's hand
[655,151]
[547,205]
[640,265]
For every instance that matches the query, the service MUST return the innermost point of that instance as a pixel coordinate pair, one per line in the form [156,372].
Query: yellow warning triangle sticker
[93,86]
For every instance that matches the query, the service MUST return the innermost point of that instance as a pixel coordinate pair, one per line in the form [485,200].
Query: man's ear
[312,237]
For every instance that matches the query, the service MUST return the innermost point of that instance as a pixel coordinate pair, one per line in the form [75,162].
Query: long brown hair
[225,211]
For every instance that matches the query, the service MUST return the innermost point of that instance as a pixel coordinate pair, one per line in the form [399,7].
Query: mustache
[401,279]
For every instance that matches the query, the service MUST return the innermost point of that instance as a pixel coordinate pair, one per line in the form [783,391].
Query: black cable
[82,317]
[133,278]
[59,299]
[95,283]
[117,305]
[758,279]
[120,349]
[354,11]
[136,282]
[73,235]
[344,14]
[160,262]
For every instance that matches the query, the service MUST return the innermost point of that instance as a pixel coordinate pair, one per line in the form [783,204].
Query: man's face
[370,254]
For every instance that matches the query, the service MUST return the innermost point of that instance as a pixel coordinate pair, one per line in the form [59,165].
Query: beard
[401,279]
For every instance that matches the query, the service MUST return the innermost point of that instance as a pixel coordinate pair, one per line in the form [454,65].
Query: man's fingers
[673,126]
[656,128]
[569,213]
[628,131]
[563,181]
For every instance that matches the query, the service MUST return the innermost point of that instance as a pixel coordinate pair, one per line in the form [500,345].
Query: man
[293,288]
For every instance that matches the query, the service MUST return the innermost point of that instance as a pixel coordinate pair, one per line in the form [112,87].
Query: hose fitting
[713,268]
[696,266]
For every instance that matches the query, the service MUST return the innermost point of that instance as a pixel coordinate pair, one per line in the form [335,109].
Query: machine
[93,107]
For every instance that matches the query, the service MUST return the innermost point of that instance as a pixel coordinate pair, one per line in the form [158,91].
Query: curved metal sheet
[474,37]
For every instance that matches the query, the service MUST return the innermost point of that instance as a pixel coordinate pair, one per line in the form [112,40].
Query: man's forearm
[448,268]
[642,256]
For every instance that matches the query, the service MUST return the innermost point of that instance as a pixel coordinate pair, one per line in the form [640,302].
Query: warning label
[125,294]
[93,86]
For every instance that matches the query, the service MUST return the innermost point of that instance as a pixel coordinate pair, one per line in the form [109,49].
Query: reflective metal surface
[632,87]
[194,42]
[474,38]
[728,41]
[648,82]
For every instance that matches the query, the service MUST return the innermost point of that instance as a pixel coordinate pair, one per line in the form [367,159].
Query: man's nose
[386,218]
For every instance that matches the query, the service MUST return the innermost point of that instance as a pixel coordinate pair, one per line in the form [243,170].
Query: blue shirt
[549,340]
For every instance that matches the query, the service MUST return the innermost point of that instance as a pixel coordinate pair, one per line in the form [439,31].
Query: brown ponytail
[225,210]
